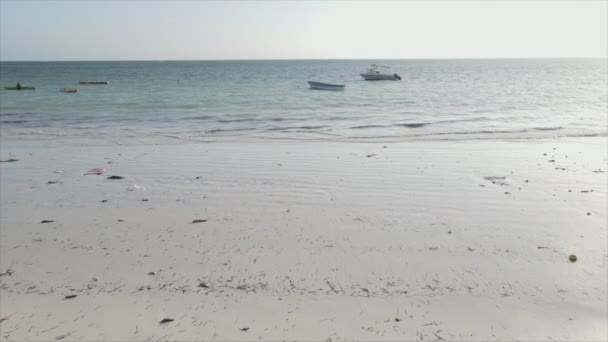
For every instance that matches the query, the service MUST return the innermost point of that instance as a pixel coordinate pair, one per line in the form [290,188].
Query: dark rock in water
[9,160]
[199,221]
[70,296]
[166,320]
[116,177]
[46,221]
[572,258]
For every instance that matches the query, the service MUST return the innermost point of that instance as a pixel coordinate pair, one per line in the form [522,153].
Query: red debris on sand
[96,171]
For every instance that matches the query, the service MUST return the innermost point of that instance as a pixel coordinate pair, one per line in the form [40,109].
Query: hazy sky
[161,30]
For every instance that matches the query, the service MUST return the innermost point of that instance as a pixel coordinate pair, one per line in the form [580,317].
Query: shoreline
[416,240]
[59,141]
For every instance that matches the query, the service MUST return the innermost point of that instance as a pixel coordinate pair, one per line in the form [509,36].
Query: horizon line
[297,59]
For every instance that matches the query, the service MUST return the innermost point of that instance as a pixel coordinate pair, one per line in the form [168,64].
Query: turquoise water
[443,99]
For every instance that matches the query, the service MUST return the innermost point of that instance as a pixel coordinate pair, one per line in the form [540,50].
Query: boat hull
[379,77]
[325,86]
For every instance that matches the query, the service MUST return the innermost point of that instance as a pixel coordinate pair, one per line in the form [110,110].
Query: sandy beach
[433,240]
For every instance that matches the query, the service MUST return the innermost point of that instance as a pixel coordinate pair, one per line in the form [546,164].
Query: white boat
[325,86]
[380,72]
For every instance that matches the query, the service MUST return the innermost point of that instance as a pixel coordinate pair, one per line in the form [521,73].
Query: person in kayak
[19,87]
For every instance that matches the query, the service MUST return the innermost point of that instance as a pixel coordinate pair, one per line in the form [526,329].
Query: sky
[199,30]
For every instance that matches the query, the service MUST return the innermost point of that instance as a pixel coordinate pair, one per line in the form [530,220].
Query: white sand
[306,241]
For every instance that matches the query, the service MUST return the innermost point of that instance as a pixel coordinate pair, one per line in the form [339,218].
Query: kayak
[22,88]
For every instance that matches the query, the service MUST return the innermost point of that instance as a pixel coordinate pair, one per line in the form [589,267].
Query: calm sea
[437,99]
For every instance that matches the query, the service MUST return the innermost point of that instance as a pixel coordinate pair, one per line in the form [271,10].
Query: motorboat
[325,86]
[380,72]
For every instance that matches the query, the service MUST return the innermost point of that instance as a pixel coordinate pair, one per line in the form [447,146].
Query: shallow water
[437,99]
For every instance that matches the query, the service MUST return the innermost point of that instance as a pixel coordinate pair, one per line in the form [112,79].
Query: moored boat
[69,90]
[94,82]
[380,72]
[325,86]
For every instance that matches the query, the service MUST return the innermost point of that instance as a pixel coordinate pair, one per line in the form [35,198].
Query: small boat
[22,88]
[325,86]
[69,90]
[380,72]
[94,82]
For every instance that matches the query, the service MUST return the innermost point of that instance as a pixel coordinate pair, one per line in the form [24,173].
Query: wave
[548,128]
[498,131]
[369,126]
[236,120]
[201,117]
[409,125]
[420,124]
[295,127]
[12,121]
[219,130]
[13,114]
[413,125]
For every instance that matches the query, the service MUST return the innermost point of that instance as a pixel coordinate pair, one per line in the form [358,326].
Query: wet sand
[452,240]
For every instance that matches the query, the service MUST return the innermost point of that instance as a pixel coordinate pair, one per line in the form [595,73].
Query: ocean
[204,100]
